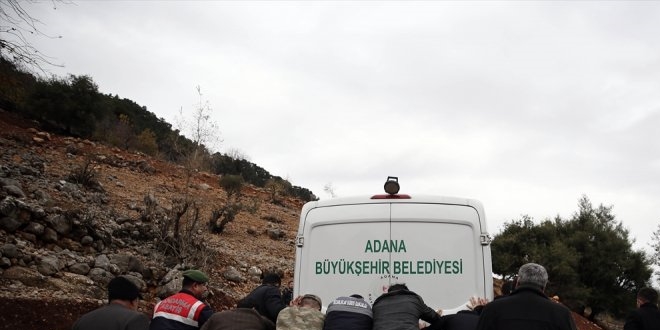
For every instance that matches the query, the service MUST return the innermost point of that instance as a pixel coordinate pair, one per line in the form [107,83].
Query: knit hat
[123,289]
[196,275]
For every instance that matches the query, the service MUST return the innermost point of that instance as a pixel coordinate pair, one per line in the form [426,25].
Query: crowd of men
[265,308]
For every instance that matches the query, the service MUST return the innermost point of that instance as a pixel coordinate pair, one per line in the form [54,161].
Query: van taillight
[388,196]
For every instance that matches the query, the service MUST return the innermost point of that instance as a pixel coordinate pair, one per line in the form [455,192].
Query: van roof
[413,199]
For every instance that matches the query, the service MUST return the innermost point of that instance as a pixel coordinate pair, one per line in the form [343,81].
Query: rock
[86,240]
[275,234]
[35,228]
[252,231]
[169,289]
[14,191]
[137,281]
[5,262]
[61,224]
[9,251]
[102,261]
[49,265]
[232,274]
[146,168]
[12,207]
[254,271]
[44,135]
[9,224]
[28,236]
[100,276]
[27,276]
[9,182]
[49,235]
[42,197]
[127,263]
[80,268]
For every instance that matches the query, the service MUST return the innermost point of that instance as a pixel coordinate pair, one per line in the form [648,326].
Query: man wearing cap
[303,314]
[121,311]
[267,297]
[184,310]
[348,313]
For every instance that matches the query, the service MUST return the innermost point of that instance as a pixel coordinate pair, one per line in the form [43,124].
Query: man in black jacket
[401,309]
[266,298]
[527,307]
[348,313]
[647,315]
[121,311]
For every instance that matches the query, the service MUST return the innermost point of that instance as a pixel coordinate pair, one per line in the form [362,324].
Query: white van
[438,246]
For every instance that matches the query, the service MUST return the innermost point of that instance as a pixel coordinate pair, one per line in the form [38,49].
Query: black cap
[123,289]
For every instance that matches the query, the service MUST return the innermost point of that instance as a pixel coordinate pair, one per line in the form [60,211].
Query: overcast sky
[525,106]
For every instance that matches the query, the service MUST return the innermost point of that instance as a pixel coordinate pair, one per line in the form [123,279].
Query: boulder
[80,268]
[14,191]
[232,274]
[35,228]
[102,261]
[9,224]
[9,250]
[61,224]
[100,276]
[27,276]
[49,265]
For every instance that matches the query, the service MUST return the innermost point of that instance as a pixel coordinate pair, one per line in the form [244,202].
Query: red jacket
[181,311]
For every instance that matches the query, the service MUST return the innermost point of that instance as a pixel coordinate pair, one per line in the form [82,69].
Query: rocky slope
[61,242]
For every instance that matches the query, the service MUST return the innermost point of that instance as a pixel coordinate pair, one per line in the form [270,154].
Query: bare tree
[17,27]
[202,131]
[330,190]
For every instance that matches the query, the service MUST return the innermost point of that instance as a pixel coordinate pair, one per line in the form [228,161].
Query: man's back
[401,309]
[239,318]
[526,309]
[112,317]
[645,317]
[267,300]
[348,313]
[300,318]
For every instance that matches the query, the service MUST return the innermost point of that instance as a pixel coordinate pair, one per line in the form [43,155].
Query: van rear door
[444,260]
[334,241]
[362,247]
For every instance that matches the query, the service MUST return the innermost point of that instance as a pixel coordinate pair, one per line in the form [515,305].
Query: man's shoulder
[300,312]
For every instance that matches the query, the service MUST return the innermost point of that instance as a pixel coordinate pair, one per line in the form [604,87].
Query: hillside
[61,242]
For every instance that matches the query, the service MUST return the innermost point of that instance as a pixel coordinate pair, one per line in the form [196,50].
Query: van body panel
[362,245]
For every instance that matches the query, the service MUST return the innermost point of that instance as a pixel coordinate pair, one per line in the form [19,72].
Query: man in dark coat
[527,307]
[244,317]
[647,315]
[267,298]
[121,311]
[401,309]
[348,313]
